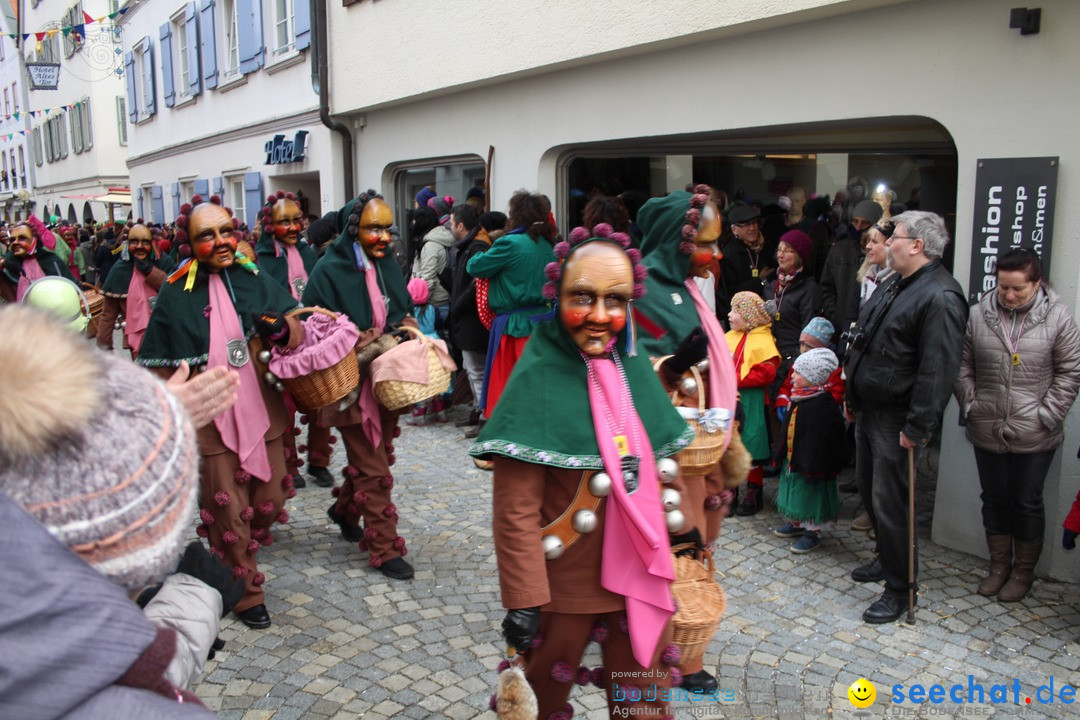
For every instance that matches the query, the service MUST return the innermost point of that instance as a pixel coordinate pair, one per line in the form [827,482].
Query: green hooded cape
[544,417]
[48,260]
[277,266]
[116,284]
[666,303]
[179,327]
[337,284]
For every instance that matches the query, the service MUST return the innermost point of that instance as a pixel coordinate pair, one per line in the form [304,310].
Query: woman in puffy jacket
[1019,377]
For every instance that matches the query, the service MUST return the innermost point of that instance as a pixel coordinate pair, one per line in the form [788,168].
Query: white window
[231,38]
[39,148]
[146,207]
[4,176]
[76,129]
[14,177]
[14,95]
[73,41]
[22,166]
[180,56]
[121,119]
[3,46]
[7,102]
[285,29]
[187,189]
[235,195]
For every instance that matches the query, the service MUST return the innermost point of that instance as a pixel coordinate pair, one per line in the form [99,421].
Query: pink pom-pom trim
[561,672]
[221,498]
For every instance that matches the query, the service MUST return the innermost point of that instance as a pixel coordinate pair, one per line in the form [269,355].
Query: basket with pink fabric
[322,369]
[412,372]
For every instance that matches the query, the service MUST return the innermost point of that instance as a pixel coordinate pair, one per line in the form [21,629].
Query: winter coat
[838,281]
[911,359]
[1019,407]
[432,261]
[466,330]
[737,272]
[193,609]
[799,303]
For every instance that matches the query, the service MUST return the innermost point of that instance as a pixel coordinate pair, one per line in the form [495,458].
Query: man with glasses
[838,282]
[749,260]
[900,371]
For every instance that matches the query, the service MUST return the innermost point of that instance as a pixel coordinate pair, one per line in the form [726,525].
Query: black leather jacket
[914,339]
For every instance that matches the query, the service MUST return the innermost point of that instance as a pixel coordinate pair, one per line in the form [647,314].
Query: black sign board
[1014,207]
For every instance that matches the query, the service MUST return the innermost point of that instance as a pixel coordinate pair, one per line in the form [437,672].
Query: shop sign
[1014,207]
[43,76]
[280,151]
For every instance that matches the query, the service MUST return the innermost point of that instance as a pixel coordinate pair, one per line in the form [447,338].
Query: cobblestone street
[348,643]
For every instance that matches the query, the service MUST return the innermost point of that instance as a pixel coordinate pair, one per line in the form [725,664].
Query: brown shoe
[862,523]
[484,464]
[1017,586]
[1001,551]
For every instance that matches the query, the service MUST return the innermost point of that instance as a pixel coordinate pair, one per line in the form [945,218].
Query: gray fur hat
[95,448]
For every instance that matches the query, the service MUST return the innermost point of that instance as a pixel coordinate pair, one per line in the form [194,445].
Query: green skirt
[802,501]
[755,435]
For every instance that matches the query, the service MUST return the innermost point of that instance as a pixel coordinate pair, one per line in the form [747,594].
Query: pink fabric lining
[637,553]
[31,271]
[137,309]
[378,306]
[296,268]
[243,426]
[723,385]
[326,341]
[409,361]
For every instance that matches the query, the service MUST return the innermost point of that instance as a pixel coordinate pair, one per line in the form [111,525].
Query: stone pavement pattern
[348,643]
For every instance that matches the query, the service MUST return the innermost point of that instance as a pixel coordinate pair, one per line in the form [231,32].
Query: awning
[79,197]
[114,198]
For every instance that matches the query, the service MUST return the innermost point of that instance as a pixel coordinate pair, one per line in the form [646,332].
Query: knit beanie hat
[752,308]
[867,209]
[816,365]
[418,290]
[800,242]
[95,448]
[442,207]
[425,194]
[817,333]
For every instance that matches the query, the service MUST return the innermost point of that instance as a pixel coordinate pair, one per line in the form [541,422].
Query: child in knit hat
[817,334]
[756,359]
[815,451]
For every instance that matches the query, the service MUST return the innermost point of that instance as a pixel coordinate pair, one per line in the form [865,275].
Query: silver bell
[668,470]
[675,521]
[688,386]
[269,377]
[584,521]
[279,386]
[264,357]
[116,325]
[553,547]
[703,365]
[123,324]
[670,499]
[600,485]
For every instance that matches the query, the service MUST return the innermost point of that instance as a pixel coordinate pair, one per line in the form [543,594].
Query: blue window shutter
[148,74]
[253,197]
[191,24]
[208,44]
[142,206]
[302,20]
[129,73]
[219,186]
[167,83]
[250,29]
[158,201]
[175,194]
[202,187]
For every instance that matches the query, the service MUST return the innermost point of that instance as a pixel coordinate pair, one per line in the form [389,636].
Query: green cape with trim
[544,417]
[277,266]
[119,279]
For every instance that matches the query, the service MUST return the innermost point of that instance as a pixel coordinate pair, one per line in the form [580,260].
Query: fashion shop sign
[1014,207]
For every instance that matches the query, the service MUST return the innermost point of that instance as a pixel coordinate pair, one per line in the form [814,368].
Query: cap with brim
[743,214]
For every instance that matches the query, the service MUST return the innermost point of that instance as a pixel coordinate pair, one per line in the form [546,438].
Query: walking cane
[911,537]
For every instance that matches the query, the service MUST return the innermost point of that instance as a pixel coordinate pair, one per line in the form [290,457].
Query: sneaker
[806,543]
[788,530]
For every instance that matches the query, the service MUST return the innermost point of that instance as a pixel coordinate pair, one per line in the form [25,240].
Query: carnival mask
[597,285]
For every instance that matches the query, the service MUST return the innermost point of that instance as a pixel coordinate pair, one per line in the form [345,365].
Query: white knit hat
[95,448]
[816,365]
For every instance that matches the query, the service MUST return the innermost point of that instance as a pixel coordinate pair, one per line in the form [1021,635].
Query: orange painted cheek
[618,322]
[203,249]
[574,318]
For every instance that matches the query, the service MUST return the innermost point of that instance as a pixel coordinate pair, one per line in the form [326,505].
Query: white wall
[954,61]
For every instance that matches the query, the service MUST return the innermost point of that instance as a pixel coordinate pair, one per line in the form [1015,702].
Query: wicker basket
[398,394]
[700,456]
[323,387]
[701,602]
[95,303]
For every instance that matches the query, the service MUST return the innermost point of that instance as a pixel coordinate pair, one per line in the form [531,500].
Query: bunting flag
[79,29]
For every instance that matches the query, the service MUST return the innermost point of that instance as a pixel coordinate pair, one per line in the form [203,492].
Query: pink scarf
[637,555]
[296,268]
[368,405]
[137,309]
[31,271]
[722,381]
[244,425]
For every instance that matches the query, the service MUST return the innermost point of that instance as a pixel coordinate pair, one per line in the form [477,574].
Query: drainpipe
[322,84]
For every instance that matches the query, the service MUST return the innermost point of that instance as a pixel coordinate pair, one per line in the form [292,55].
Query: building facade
[75,134]
[571,97]
[220,101]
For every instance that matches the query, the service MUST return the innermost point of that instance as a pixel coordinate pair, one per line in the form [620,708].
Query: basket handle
[416,333]
[706,555]
[89,286]
[313,309]
[675,393]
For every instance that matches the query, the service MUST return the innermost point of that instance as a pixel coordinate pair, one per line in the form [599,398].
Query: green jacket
[515,268]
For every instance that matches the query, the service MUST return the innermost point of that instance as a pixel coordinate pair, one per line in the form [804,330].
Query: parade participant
[205,315]
[358,276]
[131,288]
[756,359]
[514,270]
[679,242]
[580,401]
[28,259]
[284,256]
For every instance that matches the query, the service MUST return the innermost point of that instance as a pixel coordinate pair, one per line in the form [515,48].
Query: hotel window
[284,25]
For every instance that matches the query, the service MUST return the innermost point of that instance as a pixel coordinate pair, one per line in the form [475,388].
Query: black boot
[351,533]
[753,500]
[321,476]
